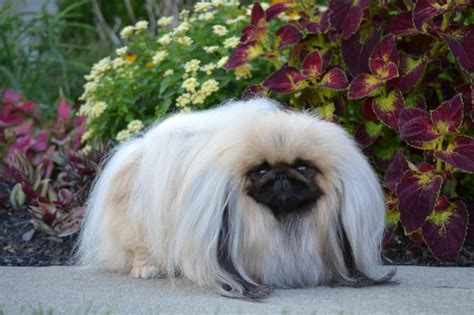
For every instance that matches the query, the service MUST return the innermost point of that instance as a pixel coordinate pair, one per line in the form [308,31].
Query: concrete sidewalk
[72,290]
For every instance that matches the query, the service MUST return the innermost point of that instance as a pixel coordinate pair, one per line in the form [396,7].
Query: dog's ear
[361,223]
[247,288]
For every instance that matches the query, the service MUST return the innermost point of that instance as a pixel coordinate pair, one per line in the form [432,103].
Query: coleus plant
[398,75]
[45,161]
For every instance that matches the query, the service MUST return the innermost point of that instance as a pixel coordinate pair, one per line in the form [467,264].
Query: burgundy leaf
[467,92]
[417,193]
[346,15]
[419,133]
[445,230]
[258,15]
[275,10]
[334,79]
[288,34]
[368,110]
[319,24]
[357,49]
[448,116]
[383,70]
[410,71]
[363,137]
[363,85]
[284,80]
[11,96]
[395,171]
[243,54]
[410,113]
[460,154]
[388,108]
[462,47]
[425,10]
[254,91]
[386,50]
[402,24]
[312,65]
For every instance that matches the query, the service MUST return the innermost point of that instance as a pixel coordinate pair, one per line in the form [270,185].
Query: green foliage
[39,57]
[178,69]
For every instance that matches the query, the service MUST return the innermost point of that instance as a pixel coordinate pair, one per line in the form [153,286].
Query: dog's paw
[145,272]
[258,292]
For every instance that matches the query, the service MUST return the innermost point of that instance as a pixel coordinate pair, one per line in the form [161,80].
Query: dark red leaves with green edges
[425,10]
[387,108]
[417,193]
[462,47]
[448,116]
[346,15]
[288,34]
[397,75]
[459,154]
[445,230]
[285,80]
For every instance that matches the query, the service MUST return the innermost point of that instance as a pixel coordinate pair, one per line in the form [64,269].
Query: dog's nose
[281,182]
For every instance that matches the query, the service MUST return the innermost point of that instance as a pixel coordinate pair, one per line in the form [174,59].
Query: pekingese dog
[243,198]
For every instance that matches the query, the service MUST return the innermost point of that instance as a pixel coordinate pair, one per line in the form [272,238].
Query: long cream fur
[157,207]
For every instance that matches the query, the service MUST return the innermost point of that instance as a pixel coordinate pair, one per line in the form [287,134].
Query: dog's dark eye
[303,168]
[260,171]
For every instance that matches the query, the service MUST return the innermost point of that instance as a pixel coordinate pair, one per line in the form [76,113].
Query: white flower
[243,72]
[198,98]
[208,16]
[121,51]
[118,62]
[97,109]
[159,56]
[168,72]
[185,41]
[190,85]
[165,21]
[220,30]
[86,149]
[265,5]
[123,135]
[87,135]
[221,63]
[208,68]
[211,49]
[209,87]
[182,28]
[231,42]
[127,31]
[183,15]
[134,126]
[192,65]
[183,100]
[165,40]
[141,26]
[202,6]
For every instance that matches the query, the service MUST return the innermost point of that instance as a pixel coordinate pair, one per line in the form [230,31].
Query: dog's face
[284,187]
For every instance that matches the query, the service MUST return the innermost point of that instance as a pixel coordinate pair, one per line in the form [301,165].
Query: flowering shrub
[50,169]
[178,69]
[399,76]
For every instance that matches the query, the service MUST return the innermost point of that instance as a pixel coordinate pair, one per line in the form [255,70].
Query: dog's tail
[106,221]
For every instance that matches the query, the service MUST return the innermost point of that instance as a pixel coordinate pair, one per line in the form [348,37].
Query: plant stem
[439,163]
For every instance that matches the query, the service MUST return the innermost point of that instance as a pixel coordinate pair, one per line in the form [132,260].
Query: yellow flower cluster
[192,66]
[211,49]
[185,41]
[208,68]
[132,128]
[236,20]
[159,56]
[190,85]
[165,21]
[243,71]
[139,27]
[182,28]
[221,63]
[208,16]
[220,30]
[165,40]
[92,109]
[199,96]
[168,73]
[202,6]
[231,42]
